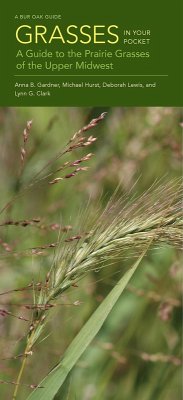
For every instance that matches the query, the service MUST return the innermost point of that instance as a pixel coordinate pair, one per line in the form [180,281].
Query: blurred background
[137,354]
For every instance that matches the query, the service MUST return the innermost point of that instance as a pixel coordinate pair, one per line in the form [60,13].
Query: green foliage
[138,349]
[57,376]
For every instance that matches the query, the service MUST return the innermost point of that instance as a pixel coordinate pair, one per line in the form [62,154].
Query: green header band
[102,54]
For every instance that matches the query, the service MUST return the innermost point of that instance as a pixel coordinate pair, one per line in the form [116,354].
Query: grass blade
[54,380]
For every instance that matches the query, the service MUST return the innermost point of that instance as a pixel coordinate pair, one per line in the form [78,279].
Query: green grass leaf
[55,379]
[64,391]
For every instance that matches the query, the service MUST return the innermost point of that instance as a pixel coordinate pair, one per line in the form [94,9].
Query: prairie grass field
[49,205]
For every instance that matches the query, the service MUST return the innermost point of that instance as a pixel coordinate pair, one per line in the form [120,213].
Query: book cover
[90,205]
